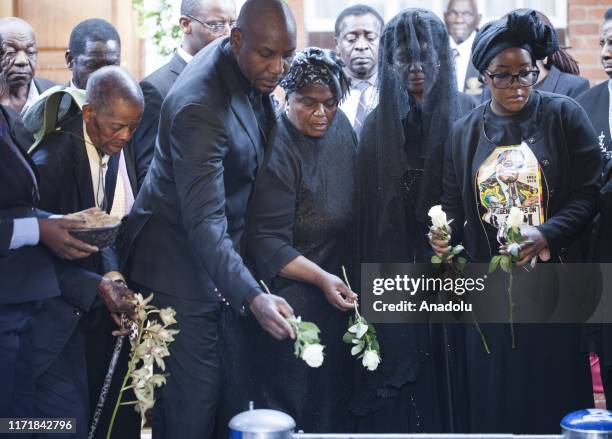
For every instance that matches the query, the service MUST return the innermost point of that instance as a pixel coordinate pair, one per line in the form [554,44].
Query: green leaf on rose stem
[462,261]
[371,329]
[361,330]
[457,249]
[309,336]
[308,326]
[435,259]
[374,345]
[353,329]
[357,349]
[494,263]
[506,263]
[348,338]
[355,341]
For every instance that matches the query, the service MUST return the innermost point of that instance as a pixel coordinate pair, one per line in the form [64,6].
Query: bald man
[462,19]
[186,232]
[81,166]
[202,22]
[19,57]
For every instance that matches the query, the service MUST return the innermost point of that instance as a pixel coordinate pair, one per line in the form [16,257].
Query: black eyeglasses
[215,27]
[525,78]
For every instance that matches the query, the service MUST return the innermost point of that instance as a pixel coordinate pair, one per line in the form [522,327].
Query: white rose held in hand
[438,218]
[515,218]
[313,355]
[370,360]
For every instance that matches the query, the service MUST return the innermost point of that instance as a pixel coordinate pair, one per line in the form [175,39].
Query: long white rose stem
[107,382]
[265,287]
[348,284]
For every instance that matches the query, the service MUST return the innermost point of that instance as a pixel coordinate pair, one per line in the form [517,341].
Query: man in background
[19,57]
[93,44]
[357,35]
[462,19]
[202,22]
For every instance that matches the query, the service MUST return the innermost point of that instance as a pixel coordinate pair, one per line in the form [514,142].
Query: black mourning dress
[304,205]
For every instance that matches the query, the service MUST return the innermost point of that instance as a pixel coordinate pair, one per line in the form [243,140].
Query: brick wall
[584,19]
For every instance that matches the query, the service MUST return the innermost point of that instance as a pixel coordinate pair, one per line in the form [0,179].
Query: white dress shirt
[610,106]
[462,59]
[351,103]
[33,95]
[186,57]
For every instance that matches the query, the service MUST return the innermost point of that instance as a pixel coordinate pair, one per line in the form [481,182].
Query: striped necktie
[362,107]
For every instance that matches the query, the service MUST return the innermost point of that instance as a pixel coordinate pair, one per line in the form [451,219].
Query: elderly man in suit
[462,19]
[81,167]
[186,232]
[19,58]
[202,22]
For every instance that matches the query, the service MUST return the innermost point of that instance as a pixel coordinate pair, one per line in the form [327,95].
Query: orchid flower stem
[131,366]
[511,307]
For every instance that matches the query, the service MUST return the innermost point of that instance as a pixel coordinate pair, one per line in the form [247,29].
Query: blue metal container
[587,424]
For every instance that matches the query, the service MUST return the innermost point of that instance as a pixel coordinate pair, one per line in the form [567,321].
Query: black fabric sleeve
[6,235]
[77,286]
[198,144]
[452,198]
[51,157]
[584,164]
[272,216]
[143,141]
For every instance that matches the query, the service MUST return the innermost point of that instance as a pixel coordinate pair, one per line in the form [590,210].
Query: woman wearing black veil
[400,161]
[535,151]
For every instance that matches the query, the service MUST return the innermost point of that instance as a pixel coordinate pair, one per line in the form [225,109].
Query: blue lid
[589,420]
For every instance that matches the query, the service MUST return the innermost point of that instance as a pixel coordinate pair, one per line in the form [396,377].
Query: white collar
[89,144]
[33,95]
[186,57]
[466,45]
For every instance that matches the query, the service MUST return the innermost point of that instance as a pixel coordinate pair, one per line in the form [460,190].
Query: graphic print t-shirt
[511,177]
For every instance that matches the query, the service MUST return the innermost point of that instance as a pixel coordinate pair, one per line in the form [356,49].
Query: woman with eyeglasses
[400,170]
[536,151]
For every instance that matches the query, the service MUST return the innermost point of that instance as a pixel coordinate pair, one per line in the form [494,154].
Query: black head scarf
[413,36]
[316,66]
[521,29]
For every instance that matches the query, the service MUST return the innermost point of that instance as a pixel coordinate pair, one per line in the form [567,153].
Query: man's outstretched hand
[271,312]
[115,295]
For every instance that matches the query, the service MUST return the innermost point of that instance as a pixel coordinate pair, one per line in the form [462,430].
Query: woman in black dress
[400,169]
[536,151]
[300,234]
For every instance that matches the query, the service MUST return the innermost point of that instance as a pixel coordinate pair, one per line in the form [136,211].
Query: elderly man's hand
[115,295]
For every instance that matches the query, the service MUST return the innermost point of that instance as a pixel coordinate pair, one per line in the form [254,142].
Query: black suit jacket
[27,273]
[42,84]
[186,230]
[596,103]
[155,88]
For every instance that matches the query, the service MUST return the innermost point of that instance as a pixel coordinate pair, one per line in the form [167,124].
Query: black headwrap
[413,36]
[317,66]
[517,29]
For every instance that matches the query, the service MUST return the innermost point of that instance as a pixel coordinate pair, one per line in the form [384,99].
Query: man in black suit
[81,167]
[19,60]
[185,233]
[202,22]
[596,101]
[93,44]
[27,269]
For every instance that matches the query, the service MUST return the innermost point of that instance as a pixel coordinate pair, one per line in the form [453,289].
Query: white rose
[370,360]
[515,218]
[438,217]
[313,355]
